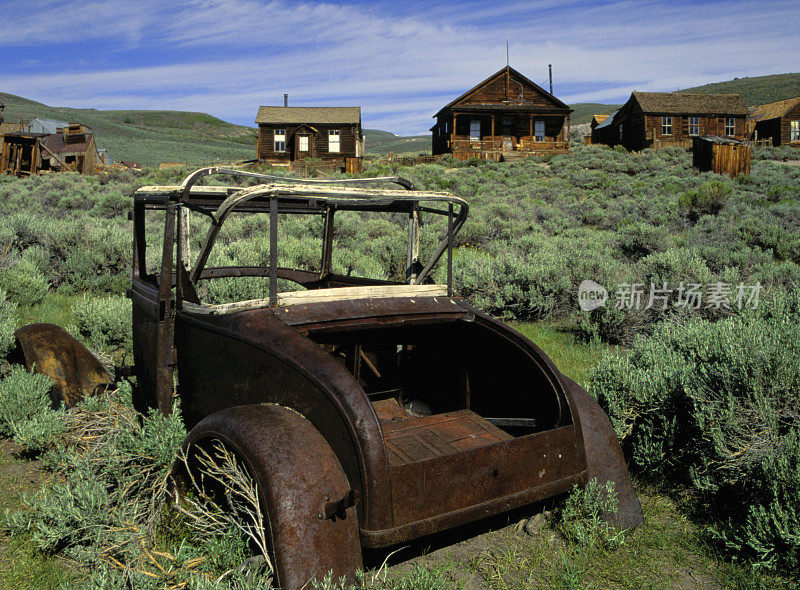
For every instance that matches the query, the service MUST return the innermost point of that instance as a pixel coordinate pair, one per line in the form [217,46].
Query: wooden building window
[694,125]
[666,125]
[303,147]
[538,129]
[474,130]
[730,126]
[794,131]
[334,141]
[280,140]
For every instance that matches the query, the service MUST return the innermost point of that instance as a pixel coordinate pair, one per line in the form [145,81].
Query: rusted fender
[312,524]
[604,458]
[51,351]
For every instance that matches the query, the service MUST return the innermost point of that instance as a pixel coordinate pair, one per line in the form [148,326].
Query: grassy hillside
[149,137]
[756,90]
[583,111]
[383,142]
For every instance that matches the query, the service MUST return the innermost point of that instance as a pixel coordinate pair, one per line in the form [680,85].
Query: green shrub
[582,516]
[709,199]
[26,409]
[8,323]
[105,322]
[713,407]
[23,283]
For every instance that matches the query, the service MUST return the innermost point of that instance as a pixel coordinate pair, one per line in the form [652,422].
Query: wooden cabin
[290,134]
[665,119]
[778,121]
[71,148]
[596,120]
[503,116]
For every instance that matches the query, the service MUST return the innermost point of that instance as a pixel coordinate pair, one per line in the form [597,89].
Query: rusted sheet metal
[604,458]
[49,350]
[273,363]
[308,501]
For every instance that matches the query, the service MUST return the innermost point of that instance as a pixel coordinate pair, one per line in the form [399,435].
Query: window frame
[279,145]
[694,125]
[794,130]
[666,125]
[730,126]
[473,123]
[337,133]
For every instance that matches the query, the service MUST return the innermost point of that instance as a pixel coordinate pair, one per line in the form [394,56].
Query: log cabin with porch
[291,134]
[777,122]
[672,119]
[505,116]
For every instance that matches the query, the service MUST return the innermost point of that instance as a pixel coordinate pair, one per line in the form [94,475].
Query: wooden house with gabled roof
[288,134]
[505,115]
[779,121]
[662,119]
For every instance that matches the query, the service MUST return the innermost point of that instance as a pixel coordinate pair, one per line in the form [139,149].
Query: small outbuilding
[722,155]
[778,121]
[71,148]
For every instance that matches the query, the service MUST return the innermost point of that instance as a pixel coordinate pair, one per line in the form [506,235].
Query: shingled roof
[774,110]
[331,115]
[699,104]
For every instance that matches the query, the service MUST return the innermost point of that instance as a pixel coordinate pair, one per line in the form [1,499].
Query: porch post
[530,120]
[492,116]
[568,132]
[453,136]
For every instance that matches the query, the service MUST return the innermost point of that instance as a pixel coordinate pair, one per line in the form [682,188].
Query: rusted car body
[370,412]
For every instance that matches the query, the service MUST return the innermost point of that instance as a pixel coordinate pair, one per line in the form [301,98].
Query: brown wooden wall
[494,91]
[793,115]
[318,147]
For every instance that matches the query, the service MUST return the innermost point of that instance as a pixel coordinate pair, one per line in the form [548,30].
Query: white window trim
[695,125]
[730,124]
[794,130]
[279,145]
[334,145]
[666,123]
[303,139]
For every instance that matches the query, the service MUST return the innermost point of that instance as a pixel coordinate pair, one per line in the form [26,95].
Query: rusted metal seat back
[51,351]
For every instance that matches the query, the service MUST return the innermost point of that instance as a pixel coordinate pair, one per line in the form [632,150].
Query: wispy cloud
[400,61]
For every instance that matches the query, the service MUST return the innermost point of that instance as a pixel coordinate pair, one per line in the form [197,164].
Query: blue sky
[400,61]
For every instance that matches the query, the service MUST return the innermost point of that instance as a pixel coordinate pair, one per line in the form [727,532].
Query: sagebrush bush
[713,407]
[105,323]
[23,282]
[8,323]
[26,408]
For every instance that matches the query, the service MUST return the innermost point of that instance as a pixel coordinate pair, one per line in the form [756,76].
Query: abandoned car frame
[369,412]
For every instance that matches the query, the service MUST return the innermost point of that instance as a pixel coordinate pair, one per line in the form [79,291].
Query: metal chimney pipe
[550,71]
[286,100]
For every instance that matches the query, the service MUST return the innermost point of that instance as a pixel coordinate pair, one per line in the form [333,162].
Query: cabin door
[303,146]
[508,138]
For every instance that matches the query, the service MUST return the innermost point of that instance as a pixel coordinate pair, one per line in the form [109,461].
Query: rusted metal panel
[76,372]
[308,500]
[451,482]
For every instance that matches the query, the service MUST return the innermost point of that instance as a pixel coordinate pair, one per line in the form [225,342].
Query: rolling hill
[756,90]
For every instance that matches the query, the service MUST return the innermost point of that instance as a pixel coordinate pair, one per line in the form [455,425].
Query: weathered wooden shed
[722,155]
[72,148]
[505,115]
[778,121]
[664,119]
[597,120]
[289,134]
